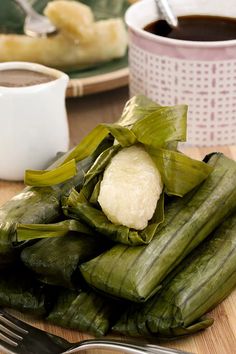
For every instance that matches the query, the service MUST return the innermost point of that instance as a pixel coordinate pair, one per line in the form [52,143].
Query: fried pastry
[80,42]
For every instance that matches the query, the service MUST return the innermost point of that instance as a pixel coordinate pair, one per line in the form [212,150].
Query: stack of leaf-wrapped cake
[124,232]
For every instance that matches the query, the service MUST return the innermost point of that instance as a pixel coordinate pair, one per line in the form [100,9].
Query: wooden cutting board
[218,339]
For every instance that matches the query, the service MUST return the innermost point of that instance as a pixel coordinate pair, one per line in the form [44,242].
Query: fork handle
[28,9]
[126,347]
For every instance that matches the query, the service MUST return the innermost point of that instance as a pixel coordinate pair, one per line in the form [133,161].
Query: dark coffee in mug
[196,28]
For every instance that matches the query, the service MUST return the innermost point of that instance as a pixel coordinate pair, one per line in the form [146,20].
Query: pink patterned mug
[200,74]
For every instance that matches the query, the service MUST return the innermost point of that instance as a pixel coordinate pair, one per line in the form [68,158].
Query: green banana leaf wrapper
[98,222]
[21,291]
[136,273]
[55,260]
[37,205]
[204,279]
[158,129]
[84,311]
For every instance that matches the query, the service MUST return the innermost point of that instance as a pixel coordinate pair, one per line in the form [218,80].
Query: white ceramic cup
[200,74]
[33,122]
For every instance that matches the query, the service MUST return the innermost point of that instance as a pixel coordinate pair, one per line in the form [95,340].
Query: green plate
[104,77]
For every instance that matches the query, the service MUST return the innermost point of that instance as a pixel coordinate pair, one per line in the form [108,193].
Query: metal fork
[19,337]
[35,24]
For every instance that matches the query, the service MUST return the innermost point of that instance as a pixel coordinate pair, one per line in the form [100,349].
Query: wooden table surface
[84,114]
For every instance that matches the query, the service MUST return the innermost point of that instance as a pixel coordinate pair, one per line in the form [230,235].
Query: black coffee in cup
[196,28]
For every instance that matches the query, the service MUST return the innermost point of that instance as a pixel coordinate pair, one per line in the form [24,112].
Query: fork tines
[11,331]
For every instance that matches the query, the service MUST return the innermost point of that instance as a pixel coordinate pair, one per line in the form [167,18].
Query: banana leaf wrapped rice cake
[21,291]
[85,310]
[55,260]
[201,281]
[123,192]
[80,309]
[136,273]
[117,229]
[37,205]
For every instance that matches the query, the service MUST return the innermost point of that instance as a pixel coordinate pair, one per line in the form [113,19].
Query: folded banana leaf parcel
[21,291]
[85,310]
[42,204]
[201,282]
[55,260]
[137,272]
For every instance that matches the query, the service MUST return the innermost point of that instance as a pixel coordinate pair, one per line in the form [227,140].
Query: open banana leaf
[37,205]
[142,121]
[26,232]
[204,279]
[158,129]
[84,311]
[55,260]
[136,273]
[135,109]
[21,291]
[97,220]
